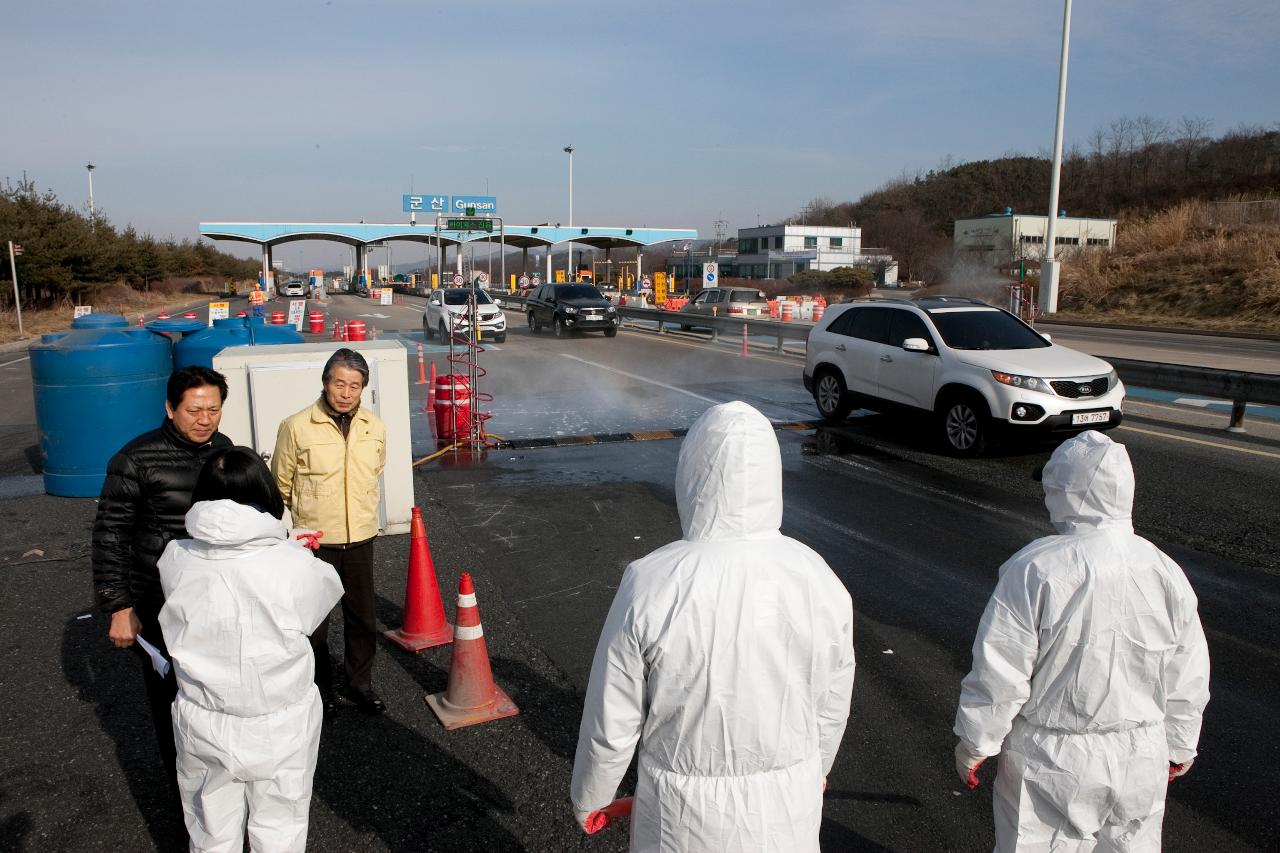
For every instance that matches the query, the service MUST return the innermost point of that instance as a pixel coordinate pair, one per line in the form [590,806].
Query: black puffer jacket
[144,504]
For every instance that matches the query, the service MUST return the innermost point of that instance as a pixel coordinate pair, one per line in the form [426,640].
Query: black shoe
[368,702]
[330,705]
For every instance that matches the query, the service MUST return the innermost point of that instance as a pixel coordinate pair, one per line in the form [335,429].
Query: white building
[780,251]
[1000,238]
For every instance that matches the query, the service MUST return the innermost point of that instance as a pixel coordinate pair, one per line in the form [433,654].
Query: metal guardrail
[1239,386]
[780,331]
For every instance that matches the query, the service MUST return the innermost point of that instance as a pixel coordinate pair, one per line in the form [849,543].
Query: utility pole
[1049,268]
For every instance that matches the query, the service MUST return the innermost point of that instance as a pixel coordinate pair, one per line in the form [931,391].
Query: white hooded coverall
[1090,669]
[728,655]
[240,600]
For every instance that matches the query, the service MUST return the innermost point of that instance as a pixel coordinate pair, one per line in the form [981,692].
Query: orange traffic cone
[424,623]
[431,386]
[337,331]
[472,697]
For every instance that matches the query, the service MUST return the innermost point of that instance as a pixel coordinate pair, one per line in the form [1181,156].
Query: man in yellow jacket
[327,462]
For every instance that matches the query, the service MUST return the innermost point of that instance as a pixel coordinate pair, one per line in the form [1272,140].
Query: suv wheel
[562,331]
[831,396]
[426,330]
[965,424]
[444,333]
[533,324]
[611,332]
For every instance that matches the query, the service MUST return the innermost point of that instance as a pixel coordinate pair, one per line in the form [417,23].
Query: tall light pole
[1049,267]
[568,272]
[90,168]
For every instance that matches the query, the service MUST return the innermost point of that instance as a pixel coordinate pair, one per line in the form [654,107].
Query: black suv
[570,307]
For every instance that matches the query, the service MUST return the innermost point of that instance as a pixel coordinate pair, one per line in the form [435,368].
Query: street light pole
[90,168]
[1049,267]
[568,272]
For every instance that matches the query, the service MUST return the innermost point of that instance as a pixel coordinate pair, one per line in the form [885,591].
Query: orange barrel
[787,310]
[355,330]
[162,316]
[242,313]
[190,315]
[453,406]
[819,308]
[277,318]
[315,320]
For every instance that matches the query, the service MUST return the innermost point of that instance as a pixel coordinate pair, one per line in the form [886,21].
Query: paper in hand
[158,661]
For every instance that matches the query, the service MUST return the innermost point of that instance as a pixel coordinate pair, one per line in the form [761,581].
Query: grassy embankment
[1179,268]
[169,294]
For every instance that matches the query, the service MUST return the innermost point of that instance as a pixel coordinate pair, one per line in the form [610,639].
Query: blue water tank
[201,346]
[97,387]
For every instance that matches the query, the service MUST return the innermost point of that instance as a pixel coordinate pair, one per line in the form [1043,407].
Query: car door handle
[886,357]
[840,347]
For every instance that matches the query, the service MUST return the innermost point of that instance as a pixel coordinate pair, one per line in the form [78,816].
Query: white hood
[227,523]
[1088,484]
[729,478]
[1051,362]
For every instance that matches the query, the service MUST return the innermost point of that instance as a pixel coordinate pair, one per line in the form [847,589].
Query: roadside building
[781,251]
[1002,239]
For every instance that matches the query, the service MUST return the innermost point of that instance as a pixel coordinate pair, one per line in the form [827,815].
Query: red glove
[310,539]
[601,818]
[967,764]
[1176,770]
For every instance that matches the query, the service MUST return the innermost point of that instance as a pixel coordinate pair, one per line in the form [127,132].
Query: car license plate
[1090,418]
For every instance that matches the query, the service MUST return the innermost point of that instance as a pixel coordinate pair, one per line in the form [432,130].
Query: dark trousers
[160,692]
[354,564]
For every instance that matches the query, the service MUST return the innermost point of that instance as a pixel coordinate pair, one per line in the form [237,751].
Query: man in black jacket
[144,503]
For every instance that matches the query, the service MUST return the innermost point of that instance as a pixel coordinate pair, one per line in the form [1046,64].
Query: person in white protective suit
[1090,671]
[241,598]
[728,656]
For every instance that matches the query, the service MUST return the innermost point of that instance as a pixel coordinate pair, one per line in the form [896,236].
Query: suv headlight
[1027,383]
[1113,379]
[611,310]
[569,309]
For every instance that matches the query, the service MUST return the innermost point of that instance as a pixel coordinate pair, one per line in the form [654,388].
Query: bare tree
[1192,136]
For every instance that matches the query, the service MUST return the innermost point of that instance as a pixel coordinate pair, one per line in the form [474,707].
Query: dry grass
[111,299]
[1175,268]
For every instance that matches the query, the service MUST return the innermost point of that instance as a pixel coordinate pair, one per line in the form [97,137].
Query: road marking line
[1202,441]
[642,379]
[15,361]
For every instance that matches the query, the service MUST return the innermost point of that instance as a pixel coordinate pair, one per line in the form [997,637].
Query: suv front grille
[1075,389]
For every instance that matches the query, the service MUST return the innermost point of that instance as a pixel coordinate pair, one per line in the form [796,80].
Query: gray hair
[349,359]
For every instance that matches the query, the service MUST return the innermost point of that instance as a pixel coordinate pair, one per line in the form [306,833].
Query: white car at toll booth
[976,369]
[448,309]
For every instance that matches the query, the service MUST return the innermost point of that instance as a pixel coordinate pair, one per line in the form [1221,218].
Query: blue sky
[681,113]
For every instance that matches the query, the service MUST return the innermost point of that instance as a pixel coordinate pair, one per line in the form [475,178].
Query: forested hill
[1135,166]
[66,252]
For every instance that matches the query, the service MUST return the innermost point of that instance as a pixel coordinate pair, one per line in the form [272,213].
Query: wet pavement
[916,537]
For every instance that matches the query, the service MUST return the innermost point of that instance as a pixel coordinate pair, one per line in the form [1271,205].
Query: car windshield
[459,296]
[578,291]
[984,328]
[746,296]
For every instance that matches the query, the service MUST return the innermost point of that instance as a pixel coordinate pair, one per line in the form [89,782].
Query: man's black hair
[238,474]
[347,358]
[184,379]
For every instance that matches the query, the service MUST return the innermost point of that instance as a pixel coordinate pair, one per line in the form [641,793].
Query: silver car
[740,303]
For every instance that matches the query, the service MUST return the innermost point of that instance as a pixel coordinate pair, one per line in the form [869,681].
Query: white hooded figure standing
[728,657]
[1090,671]
[241,598]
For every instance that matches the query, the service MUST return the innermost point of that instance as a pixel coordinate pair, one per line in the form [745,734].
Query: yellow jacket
[328,484]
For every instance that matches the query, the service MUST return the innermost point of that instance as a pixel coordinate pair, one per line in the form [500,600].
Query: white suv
[975,368]
[448,310]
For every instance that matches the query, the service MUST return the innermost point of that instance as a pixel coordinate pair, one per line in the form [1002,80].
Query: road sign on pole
[14,251]
[710,274]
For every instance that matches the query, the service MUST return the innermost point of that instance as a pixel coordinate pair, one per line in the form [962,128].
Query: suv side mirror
[1045,335]
[915,345]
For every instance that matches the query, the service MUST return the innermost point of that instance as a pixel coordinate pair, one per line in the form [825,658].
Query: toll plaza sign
[458,205]
[428,203]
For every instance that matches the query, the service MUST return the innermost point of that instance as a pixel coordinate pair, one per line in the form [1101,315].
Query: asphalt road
[915,536]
